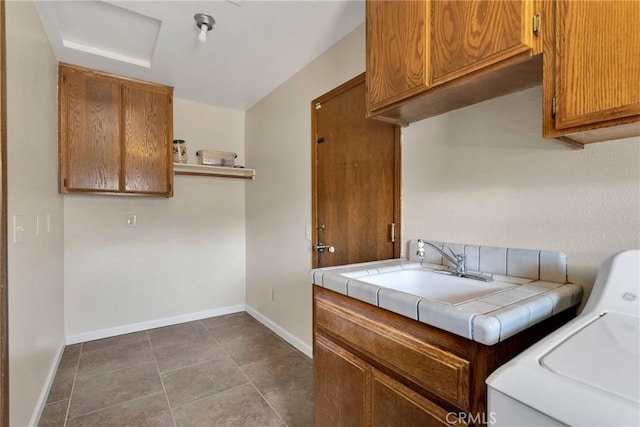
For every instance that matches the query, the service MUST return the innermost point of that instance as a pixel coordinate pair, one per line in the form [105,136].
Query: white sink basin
[435,286]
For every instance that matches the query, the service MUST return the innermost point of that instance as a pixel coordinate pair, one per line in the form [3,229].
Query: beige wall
[187,253]
[479,175]
[36,328]
[278,145]
[484,175]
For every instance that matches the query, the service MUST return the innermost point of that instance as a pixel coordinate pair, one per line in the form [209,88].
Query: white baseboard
[42,399]
[288,337]
[151,324]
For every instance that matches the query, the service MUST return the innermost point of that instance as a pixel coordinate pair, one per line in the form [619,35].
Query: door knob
[320,247]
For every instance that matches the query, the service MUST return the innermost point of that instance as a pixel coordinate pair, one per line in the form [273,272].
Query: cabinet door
[147,139]
[597,61]
[469,35]
[342,386]
[90,150]
[397,50]
[393,404]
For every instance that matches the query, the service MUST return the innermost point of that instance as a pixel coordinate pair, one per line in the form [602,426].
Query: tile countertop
[488,319]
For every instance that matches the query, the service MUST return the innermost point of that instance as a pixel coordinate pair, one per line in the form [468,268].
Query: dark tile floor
[222,371]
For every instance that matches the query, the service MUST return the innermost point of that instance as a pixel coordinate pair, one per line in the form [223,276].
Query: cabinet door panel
[342,386]
[597,61]
[393,404]
[91,132]
[147,140]
[397,50]
[468,35]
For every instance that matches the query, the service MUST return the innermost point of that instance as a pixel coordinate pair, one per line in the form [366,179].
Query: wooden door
[469,35]
[356,171]
[342,386]
[90,144]
[597,61]
[397,50]
[148,160]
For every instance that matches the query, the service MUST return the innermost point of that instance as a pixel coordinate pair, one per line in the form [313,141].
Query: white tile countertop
[508,305]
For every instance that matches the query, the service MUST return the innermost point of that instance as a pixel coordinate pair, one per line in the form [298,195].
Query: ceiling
[255,45]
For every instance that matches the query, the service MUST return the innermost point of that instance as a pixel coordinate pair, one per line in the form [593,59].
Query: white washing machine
[586,373]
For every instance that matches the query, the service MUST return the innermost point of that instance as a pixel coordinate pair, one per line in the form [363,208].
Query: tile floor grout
[212,332]
[73,385]
[114,405]
[254,387]
[164,389]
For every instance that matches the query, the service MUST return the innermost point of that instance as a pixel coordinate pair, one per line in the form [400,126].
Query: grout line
[73,385]
[258,391]
[164,389]
[251,382]
[192,365]
[209,335]
[209,396]
[115,370]
[115,405]
[225,353]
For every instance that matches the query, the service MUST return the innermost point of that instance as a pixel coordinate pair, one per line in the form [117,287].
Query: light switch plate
[132,220]
[18,228]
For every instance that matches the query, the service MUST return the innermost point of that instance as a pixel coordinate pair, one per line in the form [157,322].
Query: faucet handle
[455,255]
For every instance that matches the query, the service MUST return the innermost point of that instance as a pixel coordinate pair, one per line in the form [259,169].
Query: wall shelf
[205,170]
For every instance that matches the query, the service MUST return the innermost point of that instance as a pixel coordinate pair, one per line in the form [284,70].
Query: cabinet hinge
[64,182]
[393,232]
[554,107]
[536,25]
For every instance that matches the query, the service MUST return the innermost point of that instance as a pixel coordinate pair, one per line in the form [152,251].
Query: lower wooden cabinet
[351,392]
[391,402]
[376,368]
[342,398]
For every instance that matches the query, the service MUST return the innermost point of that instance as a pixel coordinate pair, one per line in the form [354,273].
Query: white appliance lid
[604,354]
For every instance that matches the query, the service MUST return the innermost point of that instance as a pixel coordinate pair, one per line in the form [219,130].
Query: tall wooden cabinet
[420,54]
[115,135]
[592,71]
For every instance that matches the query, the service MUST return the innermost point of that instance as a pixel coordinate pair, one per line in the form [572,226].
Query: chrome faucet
[458,260]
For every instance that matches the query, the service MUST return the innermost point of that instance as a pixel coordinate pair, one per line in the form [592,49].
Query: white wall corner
[42,399]
[281,332]
[152,324]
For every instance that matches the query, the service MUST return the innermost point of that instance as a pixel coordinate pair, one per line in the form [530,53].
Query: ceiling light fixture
[205,23]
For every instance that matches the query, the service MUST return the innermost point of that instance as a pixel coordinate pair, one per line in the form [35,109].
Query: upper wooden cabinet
[114,134]
[592,74]
[428,57]
[469,35]
[397,51]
